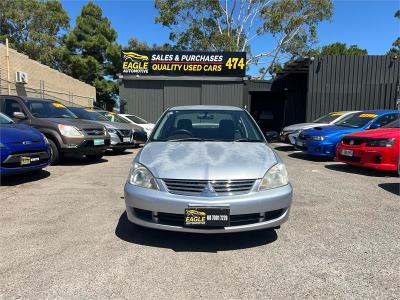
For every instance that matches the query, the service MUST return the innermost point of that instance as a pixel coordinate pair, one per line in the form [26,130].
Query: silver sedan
[207,169]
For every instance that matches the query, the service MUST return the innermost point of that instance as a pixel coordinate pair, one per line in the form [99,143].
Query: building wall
[149,98]
[43,81]
[338,82]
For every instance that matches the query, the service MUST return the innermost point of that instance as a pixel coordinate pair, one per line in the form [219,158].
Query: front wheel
[54,153]
[94,157]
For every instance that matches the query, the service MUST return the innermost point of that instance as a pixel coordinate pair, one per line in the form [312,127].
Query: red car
[377,148]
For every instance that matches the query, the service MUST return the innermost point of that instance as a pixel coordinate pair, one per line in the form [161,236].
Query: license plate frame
[347,152]
[98,142]
[126,139]
[206,216]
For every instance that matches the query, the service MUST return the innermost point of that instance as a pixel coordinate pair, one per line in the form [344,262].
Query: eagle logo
[132,56]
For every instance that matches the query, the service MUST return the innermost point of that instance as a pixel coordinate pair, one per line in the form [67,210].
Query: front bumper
[274,203]
[12,163]
[378,158]
[316,148]
[85,147]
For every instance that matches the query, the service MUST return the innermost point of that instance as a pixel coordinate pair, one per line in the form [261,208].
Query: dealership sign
[178,63]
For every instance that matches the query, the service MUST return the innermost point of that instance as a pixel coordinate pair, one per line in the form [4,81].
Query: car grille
[94,131]
[125,132]
[184,186]
[178,219]
[353,141]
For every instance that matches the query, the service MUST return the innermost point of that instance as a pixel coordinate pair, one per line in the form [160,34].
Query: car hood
[207,160]
[79,123]
[14,133]
[379,133]
[330,130]
[302,126]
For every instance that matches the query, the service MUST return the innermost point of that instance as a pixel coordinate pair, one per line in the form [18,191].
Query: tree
[341,49]
[92,54]
[34,28]
[395,50]
[135,44]
[223,25]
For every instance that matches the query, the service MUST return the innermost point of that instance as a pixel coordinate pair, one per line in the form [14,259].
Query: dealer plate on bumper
[126,139]
[207,216]
[346,152]
[98,142]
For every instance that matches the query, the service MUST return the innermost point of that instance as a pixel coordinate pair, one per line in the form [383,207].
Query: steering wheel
[182,131]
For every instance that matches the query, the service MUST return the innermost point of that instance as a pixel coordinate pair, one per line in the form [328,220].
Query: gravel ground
[64,234]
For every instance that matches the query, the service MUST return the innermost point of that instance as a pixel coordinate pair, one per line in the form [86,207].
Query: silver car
[207,169]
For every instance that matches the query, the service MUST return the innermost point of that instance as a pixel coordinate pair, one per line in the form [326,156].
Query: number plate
[346,152]
[25,160]
[207,216]
[126,139]
[98,142]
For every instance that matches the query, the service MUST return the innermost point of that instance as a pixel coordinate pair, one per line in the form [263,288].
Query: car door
[10,106]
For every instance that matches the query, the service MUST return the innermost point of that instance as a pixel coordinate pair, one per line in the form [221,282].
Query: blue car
[22,148]
[322,141]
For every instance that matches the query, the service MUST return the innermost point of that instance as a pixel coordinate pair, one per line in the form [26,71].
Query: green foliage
[231,25]
[395,50]
[342,49]
[34,28]
[92,54]
[135,44]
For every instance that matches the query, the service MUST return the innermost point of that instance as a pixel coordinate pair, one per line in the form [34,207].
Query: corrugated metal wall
[351,83]
[149,98]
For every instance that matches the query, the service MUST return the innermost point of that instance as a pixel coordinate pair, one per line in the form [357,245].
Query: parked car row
[363,138]
[37,132]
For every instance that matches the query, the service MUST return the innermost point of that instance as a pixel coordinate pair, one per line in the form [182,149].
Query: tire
[94,157]
[119,151]
[54,153]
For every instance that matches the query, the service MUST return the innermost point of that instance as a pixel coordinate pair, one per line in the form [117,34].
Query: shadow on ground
[189,242]
[112,153]
[360,171]
[285,148]
[18,179]
[304,156]
[393,187]
[79,161]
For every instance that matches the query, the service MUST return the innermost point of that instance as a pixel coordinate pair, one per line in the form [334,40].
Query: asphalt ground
[64,234]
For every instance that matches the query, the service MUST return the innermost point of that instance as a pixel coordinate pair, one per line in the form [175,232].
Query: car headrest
[185,124]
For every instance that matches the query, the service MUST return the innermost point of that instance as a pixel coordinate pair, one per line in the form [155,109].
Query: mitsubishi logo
[209,189]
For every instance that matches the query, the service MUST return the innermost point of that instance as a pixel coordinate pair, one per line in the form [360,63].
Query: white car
[148,127]
[290,133]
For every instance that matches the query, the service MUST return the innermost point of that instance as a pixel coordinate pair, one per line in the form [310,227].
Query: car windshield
[49,109]
[88,114]
[329,117]
[113,117]
[5,120]
[356,120]
[136,120]
[207,125]
[394,124]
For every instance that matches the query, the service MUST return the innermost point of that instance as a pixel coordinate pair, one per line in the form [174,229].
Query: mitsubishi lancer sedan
[207,169]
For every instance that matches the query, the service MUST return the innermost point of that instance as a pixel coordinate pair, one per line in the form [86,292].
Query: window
[386,119]
[11,106]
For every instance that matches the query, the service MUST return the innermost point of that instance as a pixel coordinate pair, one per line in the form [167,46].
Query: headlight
[318,138]
[142,177]
[381,142]
[69,131]
[276,176]
[110,130]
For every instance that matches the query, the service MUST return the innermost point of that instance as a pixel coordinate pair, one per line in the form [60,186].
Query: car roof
[206,107]
[381,111]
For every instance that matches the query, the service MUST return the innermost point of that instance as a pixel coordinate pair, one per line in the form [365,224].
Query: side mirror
[374,126]
[271,136]
[19,115]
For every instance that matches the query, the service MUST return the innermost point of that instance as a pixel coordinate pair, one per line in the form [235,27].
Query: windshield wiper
[191,139]
[247,140]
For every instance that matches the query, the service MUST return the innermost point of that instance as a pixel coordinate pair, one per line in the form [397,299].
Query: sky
[370,24]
